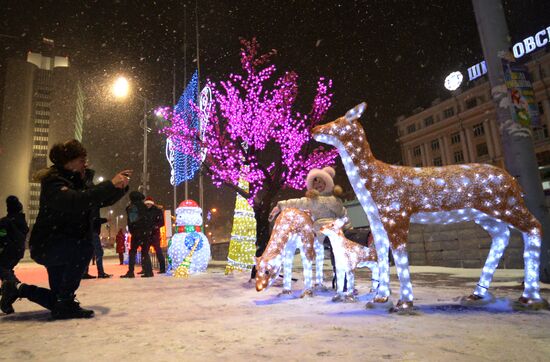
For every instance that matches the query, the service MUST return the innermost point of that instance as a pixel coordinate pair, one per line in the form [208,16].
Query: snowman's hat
[188,204]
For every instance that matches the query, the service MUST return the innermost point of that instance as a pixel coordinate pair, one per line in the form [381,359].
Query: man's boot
[69,308]
[129,274]
[10,293]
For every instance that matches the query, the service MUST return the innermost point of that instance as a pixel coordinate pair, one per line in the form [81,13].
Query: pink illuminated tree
[254,133]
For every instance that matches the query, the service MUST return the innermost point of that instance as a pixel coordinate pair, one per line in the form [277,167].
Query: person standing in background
[157,218]
[140,227]
[13,230]
[120,239]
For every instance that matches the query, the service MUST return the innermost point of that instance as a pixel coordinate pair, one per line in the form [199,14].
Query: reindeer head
[266,273]
[334,229]
[343,127]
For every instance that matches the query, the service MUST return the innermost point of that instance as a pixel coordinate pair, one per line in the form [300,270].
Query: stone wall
[461,245]
[219,251]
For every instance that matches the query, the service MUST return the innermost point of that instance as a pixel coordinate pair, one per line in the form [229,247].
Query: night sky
[392,54]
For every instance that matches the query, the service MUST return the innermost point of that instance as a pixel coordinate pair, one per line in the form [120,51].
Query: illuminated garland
[242,246]
[395,196]
[205,105]
[182,270]
[184,165]
[293,230]
[255,108]
[189,236]
[349,255]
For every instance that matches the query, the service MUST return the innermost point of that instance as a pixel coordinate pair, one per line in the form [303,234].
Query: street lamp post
[145,177]
[121,89]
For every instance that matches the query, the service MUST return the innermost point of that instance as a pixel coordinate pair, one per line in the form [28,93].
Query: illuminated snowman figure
[189,247]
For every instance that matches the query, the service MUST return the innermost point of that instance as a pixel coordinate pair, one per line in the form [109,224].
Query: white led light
[471,192]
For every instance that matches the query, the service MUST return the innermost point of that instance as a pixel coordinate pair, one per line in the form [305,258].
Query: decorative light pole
[121,89]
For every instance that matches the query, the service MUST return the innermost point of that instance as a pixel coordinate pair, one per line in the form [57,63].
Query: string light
[254,109]
[242,247]
[293,230]
[189,249]
[433,195]
[348,256]
[184,165]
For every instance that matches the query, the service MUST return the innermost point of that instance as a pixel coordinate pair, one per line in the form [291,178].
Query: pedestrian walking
[61,238]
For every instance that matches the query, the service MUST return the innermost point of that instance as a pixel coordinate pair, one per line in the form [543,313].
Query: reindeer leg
[401,259]
[287,265]
[319,264]
[375,277]
[531,255]
[308,273]
[500,233]
[382,248]
[349,295]
[340,276]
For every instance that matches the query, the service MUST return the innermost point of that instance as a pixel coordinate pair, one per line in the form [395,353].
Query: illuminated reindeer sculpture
[293,230]
[348,256]
[395,196]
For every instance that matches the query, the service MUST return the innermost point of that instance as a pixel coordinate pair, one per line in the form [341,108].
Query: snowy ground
[212,317]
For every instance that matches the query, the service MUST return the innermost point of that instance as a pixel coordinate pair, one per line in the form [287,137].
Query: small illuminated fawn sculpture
[394,196]
[293,230]
[348,256]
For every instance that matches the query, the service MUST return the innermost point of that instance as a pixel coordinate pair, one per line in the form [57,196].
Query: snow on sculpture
[394,196]
[293,230]
[349,255]
[188,242]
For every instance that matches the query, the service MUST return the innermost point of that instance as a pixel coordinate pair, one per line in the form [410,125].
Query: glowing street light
[117,217]
[100,179]
[121,87]
[453,81]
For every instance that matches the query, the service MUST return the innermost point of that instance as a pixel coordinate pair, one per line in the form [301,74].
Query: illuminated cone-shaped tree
[255,110]
[242,246]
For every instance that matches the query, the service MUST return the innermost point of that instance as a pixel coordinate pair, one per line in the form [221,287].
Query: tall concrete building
[463,129]
[43,104]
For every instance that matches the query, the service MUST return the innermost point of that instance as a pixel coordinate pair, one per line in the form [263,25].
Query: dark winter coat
[157,218]
[67,204]
[97,220]
[140,223]
[20,230]
[14,231]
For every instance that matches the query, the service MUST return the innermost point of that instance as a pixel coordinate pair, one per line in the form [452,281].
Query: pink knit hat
[326,174]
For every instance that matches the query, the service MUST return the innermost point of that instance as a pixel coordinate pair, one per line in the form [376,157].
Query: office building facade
[43,104]
[463,128]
